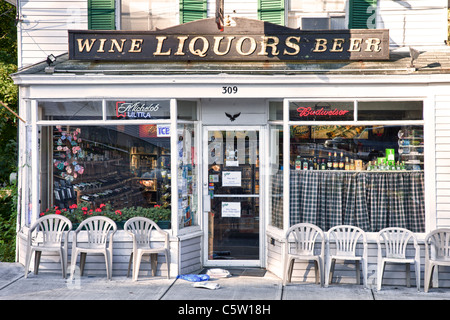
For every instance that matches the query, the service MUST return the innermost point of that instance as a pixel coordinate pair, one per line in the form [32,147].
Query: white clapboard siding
[415,22]
[44,26]
[190,251]
[442,118]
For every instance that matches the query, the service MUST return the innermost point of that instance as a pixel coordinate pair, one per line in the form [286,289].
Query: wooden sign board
[247,40]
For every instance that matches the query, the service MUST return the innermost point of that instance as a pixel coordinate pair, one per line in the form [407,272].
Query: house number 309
[229,89]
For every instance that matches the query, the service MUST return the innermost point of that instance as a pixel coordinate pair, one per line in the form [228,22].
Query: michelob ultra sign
[248,40]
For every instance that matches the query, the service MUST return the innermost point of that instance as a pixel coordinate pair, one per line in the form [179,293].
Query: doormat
[246,272]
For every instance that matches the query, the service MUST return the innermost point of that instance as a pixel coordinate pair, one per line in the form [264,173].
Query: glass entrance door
[232,195]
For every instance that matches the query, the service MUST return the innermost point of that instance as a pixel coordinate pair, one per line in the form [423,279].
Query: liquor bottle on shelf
[335,162]
[352,164]
[298,163]
[305,165]
[347,164]
[323,165]
[341,162]
[315,163]
[329,162]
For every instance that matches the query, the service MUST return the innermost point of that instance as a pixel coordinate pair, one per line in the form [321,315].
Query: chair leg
[63,264]
[73,263]
[380,274]
[417,269]
[154,263]
[82,262]
[129,264]
[168,264]
[137,266]
[427,277]
[27,261]
[358,272]
[108,271]
[332,265]
[37,261]
[408,275]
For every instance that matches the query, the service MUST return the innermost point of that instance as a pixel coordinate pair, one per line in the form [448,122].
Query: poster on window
[231,209]
[231,179]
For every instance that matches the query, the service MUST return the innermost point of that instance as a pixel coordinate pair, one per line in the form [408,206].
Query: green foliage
[76,214]
[8,214]
[8,131]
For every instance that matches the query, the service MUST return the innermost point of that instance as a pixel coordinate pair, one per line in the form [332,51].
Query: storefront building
[234,135]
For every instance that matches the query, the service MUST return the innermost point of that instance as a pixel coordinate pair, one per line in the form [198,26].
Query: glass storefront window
[187,110]
[187,163]
[369,176]
[321,111]
[390,110]
[276,110]
[119,171]
[70,110]
[276,176]
[138,109]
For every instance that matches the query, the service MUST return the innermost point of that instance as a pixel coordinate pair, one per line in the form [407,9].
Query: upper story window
[160,14]
[332,15]
[148,14]
[143,14]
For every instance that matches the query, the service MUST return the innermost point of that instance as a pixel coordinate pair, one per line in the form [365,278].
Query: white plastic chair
[100,231]
[141,229]
[305,236]
[395,242]
[54,230]
[437,253]
[346,239]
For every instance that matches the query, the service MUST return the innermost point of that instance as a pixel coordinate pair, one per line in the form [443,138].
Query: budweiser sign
[308,111]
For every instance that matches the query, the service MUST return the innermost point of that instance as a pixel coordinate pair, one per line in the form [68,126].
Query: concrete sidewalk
[51,286]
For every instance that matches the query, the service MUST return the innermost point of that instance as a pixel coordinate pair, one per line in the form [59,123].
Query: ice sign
[163,130]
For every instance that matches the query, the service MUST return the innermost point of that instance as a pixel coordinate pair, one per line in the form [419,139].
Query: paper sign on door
[231,179]
[231,209]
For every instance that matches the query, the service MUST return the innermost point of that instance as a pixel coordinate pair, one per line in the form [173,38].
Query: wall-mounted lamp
[50,59]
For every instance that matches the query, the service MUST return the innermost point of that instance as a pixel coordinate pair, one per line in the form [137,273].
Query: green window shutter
[362,14]
[271,11]
[101,15]
[191,10]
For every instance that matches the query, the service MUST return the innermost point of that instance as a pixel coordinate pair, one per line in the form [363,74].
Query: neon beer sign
[310,112]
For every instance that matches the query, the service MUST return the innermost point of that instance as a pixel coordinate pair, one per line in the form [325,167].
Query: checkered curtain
[369,200]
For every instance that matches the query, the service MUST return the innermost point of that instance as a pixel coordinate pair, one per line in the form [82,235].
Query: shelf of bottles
[336,161]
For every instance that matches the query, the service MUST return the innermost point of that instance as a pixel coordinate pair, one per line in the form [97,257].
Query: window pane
[70,110]
[321,111]
[138,109]
[187,176]
[368,176]
[275,110]
[276,176]
[118,171]
[148,14]
[390,110]
[187,110]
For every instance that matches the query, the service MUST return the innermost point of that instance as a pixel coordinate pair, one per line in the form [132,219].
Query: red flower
[84,208]
[98,210]
[58,211]
[41,214]
[156,206]
[119,212]
[102,205]
[74,206]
